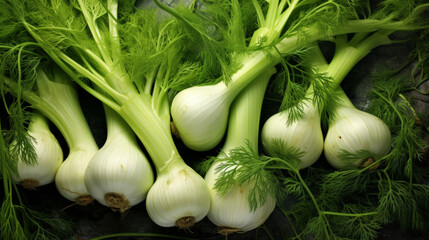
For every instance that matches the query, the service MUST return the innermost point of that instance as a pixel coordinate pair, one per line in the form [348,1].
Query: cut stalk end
[117,202]
[228,230]
[84,199]
[185,222]
[30,183]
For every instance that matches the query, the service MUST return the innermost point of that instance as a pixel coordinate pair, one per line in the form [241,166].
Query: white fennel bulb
[232,211]
[304,135]
[200,115]
[70,176]
[49,156]
[179,197]
[58,100]
[119,174]
[355,132]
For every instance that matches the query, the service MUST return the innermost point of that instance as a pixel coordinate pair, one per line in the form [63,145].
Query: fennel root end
[29,183]
[117,202]
[185,222]
[228,230]
[84,199]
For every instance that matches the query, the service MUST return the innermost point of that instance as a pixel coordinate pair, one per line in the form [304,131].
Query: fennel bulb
[303,135]
[232,211]
[57,99]
[115,76]
[200,115]
[193,116]
[355,138]
[70,176]
[179,197]
[49,156]
[119,174]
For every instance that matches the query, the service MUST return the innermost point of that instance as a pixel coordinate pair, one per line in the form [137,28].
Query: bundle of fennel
[207,69]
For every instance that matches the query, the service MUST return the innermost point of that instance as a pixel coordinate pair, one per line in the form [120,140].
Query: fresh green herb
[247,167]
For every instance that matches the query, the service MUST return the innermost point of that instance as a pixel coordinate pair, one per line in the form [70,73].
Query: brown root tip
[228,230]
[84,199]
[117,202]
[185,222]
[30,183]
[368,162]
[174,130]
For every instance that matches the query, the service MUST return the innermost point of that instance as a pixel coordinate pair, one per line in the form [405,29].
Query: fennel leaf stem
[95,31]
[284,17]
[61,59]
[326,226]
[403,127]
[285,213]
[259,13]
[268,232]
[349,214]
[154,133]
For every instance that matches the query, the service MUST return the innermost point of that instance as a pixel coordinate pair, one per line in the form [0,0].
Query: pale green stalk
[59,102]
[57,99]
[347,55]
[227,210]
[116,126]
[245,112]
[152,130]
[259,60]
[136,108]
